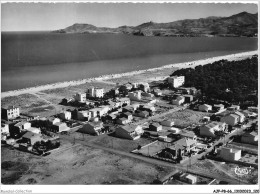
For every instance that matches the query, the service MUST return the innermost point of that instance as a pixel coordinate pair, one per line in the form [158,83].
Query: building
[205,108]
[4,131]
[188,98]
[189,135]
[127,115]
[80,97]
[124,101]
[142,114]
[157,92]
[93,128]
[59,127]
[123,121]
[83,115]
[34,130]
[10,112]
[229,154]
[253,109]
[155,127]
[241,116]
[131,132]
[135,96]
[53,120]
[112,117]
[144,87]
[147,107]
[176,81]
[167,122]
[147,94]
[233,108]
[218,107]
[181,148]
[208,130]
[135,85]
[31,138]
[188,178]
[179,100]
[95,92]
[231,119]
[250,138]
[22,126]
[66,115]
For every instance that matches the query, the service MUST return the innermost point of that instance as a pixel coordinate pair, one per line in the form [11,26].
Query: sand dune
[192,64]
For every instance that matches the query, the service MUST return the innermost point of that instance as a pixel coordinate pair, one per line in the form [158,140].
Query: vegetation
[225,81]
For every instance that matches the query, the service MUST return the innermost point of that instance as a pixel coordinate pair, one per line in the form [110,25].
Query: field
[76,164]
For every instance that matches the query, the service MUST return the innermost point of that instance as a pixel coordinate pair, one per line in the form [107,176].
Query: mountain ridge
[241,24]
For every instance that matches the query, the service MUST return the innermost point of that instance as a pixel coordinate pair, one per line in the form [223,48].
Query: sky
[53,16]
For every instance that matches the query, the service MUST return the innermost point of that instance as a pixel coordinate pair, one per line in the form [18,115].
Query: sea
[30,59]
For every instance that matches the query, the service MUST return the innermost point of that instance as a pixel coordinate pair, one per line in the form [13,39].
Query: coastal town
[163,122]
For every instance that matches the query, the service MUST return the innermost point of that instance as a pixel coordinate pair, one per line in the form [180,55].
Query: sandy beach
[191,64]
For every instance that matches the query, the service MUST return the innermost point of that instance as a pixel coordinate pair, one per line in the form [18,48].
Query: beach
[111,77]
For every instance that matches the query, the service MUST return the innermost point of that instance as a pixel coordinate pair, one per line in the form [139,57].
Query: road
[150,160]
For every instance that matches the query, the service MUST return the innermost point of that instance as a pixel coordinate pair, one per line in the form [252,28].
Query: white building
[188,178]
[229,154]
[176,81]
[179,100]
[209,129]
[66,115]
[205,107]
[10,112]
[231,119]
[241,116]
[83,115]
[80,97]
[131,132]
[95,92]
[136,96]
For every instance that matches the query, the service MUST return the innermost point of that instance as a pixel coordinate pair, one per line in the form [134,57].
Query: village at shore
[141,127]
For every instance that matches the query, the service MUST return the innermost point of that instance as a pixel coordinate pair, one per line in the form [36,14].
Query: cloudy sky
[52,16]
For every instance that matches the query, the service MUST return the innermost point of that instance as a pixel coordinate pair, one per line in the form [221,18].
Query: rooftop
[129,128]
[30,135]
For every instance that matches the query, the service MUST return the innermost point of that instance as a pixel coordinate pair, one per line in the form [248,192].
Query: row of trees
[230,81]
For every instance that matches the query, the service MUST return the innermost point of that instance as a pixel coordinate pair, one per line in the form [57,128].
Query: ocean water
[37,58]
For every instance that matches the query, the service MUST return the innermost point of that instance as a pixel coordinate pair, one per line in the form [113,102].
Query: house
[142,114]
[124,101]
[127,115]
[218,107]
[188,178]
[100,111]
[181,147]
[83,115]
[95,92]
[112,117]
[189,135]
[162,138]
[167,122]
[123,121]
[250,138]
[176,81]
[80,97]
[208,130]
[10,112]
[247,113]
[59,127]
[144,87]
[4,131]
[34,130]
[155,127]
[65,115]
[131,132]
[31,138]
[135,96]
[22,126]
[233,108]
[135,85]
[205,108]
[253,109]
[188,98]
[53,120]
[193,91]
[231,119]
[147,94]
[130,108]
[125,88]
[229,154]
[93,128]
[241,116]
[179,100]
[147,107]
[157,92]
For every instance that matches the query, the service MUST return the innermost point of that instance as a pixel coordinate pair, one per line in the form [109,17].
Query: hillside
[242,24]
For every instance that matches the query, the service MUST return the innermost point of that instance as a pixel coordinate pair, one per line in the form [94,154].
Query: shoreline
[191,64]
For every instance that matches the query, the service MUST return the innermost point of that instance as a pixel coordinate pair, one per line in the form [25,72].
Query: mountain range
[241,24]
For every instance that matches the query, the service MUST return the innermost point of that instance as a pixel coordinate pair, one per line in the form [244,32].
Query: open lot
[76,164]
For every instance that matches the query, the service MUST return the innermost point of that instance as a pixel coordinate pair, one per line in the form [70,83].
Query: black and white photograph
[129,97]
